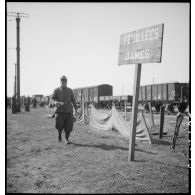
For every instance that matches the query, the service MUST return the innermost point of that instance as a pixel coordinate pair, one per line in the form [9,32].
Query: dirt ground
[95,162]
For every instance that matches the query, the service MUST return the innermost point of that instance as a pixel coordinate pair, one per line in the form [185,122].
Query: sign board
[141,46]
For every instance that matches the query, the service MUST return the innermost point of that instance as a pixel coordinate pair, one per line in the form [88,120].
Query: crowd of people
[24,103]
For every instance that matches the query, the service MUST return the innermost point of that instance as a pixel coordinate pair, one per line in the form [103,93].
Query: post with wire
[18,16]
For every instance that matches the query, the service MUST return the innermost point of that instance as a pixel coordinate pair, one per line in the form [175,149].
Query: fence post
[151,113]
[125,110]
[83,112]
[144,120]
[178,123]
[162,109]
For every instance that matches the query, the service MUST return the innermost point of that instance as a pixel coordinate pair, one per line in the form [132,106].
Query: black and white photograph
[98,97]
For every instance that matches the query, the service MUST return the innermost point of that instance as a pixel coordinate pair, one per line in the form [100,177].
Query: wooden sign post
[137,47]
[134,111]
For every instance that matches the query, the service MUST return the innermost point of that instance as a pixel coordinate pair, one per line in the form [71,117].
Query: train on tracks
[101,96]
[170,95]
[167,94]
[92,94]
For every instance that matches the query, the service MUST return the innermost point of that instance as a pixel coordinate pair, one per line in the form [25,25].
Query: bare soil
[95,162]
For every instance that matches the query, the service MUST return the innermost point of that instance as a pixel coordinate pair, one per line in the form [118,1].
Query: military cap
[63,78]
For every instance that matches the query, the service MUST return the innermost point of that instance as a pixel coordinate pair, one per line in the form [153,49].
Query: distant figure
[64,98]
[146,107]
[183,105]
[14,106]
[34,102]
[8,102]
[169,108]
[29,101]
[27,104]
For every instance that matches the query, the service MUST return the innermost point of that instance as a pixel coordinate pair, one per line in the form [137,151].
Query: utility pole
[15,80]
[18,58]
[18,15]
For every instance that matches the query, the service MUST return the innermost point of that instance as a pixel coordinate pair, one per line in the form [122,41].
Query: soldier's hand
[59,103]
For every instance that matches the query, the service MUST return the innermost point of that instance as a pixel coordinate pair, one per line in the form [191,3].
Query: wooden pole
[15,83]
[151,113]
[83,111]
[125,110]
[178,123]
[134,112]
[18,60]
[162,111]
[181,100]
[146,126]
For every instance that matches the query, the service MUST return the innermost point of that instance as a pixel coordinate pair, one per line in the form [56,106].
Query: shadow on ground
[109,147]
[161,142]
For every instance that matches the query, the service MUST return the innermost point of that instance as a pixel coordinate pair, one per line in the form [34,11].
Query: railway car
[172,94]
[119,101]
[92,94]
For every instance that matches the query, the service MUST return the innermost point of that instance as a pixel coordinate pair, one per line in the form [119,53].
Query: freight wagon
[92,94]
[119,101]
[171,94]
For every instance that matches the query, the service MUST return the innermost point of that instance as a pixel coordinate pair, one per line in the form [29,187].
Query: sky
[81,41]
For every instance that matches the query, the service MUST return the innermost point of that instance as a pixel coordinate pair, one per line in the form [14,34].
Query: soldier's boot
[67,134]
[59,136]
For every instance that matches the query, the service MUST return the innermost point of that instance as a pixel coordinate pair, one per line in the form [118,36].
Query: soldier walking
[64,100]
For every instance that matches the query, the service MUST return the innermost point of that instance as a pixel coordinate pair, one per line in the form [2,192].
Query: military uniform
[64,118]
